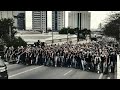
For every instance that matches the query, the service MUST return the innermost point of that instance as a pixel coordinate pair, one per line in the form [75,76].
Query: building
[17,16]
[21,21]
[39,21]
[58,20]
[6,14]
[79,19]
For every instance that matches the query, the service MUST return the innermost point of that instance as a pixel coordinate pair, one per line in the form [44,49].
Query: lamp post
[78,35]
[52,36]
[67,36]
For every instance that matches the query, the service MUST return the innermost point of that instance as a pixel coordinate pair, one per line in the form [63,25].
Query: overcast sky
[97,17]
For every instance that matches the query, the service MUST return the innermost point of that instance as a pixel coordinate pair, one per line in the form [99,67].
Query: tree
[5,24]
[111,28]
[10,40]
[18,42]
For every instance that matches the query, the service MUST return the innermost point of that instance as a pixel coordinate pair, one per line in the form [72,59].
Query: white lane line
[108,77]
[67,72]
[24,71]
[101,75]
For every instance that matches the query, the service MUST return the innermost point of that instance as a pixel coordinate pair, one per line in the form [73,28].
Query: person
[83,62]
[113,58]
[103,58]
[89,60]
[73,61]
[36,59]
[97,63]
[56,59]
[90,56]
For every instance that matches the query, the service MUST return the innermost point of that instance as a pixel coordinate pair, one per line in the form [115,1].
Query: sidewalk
[74,41]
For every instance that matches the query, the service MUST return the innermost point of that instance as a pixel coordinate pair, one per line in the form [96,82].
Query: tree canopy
[112,26]
[74,31]
[9,39]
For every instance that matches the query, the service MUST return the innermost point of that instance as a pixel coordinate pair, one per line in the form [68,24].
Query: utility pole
[78,34]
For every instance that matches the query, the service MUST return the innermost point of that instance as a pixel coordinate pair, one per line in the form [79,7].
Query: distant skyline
[97,17]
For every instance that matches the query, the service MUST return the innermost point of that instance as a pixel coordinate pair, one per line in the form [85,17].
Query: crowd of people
[92,56]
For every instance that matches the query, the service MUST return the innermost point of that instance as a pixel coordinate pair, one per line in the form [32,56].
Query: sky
[97,17]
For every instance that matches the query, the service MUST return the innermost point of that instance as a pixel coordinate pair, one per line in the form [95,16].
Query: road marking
[24,71]
[108,77]
[101,75]
[67,72]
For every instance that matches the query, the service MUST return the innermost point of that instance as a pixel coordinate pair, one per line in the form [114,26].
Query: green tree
[112,24]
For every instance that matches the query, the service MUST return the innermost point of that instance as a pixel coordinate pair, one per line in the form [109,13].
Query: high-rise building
[6,14]
[39,21]
[17,16]
[79,19]
[58,20]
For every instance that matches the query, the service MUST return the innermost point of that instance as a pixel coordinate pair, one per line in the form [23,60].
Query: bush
[18,42]
[14,41]
[67,30]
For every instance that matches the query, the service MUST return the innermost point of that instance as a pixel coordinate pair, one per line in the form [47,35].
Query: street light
[77,29]
[67,36]
[52,36]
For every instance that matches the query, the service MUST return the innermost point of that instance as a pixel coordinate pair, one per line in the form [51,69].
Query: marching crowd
[92,56]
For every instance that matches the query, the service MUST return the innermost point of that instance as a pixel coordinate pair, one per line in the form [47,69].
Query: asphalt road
[17,71]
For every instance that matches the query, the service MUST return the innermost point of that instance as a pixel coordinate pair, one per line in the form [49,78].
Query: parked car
[3,70]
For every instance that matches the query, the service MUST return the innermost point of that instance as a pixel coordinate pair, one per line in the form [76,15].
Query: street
[17,71]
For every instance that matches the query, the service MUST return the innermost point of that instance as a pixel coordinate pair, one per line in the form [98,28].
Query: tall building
[39,21]
[58,20]
[17,16]
[6,14]
[79,19]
